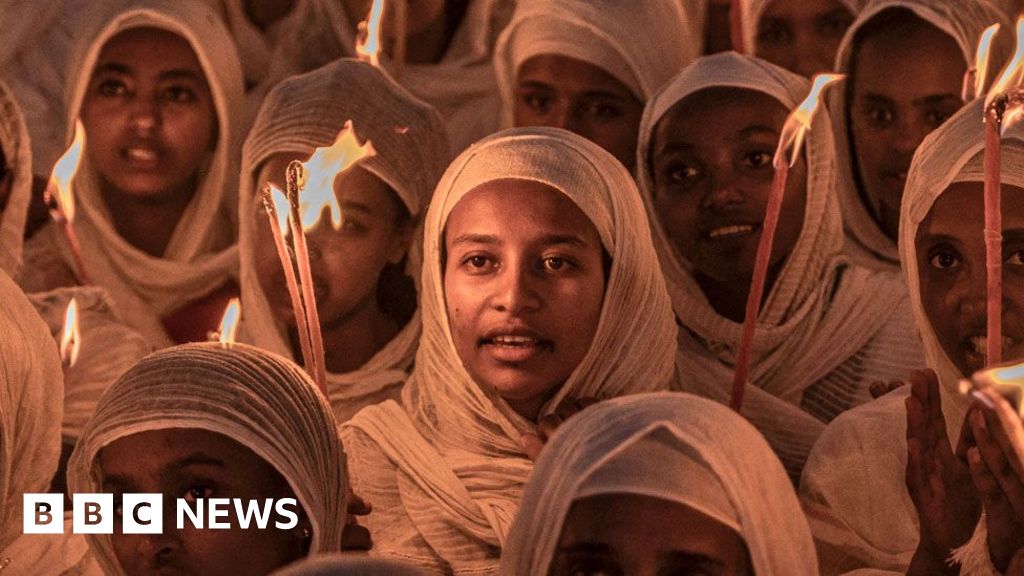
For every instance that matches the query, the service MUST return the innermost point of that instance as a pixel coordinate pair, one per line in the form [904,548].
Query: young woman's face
[346,263]
[191,464]
[563,92]
[711,161]
[149,115]
[802,35]
[633,535]
[524,285]
[951,263]
[896,99]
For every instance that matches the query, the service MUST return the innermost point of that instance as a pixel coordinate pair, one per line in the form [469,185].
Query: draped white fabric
[14,141]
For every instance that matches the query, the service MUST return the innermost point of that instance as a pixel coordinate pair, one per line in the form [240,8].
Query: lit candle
[60,198]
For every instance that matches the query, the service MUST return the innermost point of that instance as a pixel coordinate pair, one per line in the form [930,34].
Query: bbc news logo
[143,513]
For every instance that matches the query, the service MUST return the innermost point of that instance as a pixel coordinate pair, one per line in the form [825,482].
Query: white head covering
[348,565]
[17,151]
[308,111]
[201,254]
[753,10]
[855,475]
[674,447]
[641,43]
[456,448]
[820,312]
[866,243]
[256,398]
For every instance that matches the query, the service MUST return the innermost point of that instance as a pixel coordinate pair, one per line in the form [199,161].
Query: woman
[15,182]
[210,421]
[892,98]
[859,477]
[659,483]
[158,92]
[366,297]
[827,329]
[589,67]
[540,289]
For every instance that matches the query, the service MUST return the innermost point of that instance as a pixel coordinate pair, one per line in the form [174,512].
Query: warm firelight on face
[71,337]
[799,121]
[229,323]
[319,172]
[65,170]
[368,43]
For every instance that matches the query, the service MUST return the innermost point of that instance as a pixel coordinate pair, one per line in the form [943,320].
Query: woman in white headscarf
[410,153]
[827,329]
[153,133]
[904,61]
[590,66]
[255,414]
[855,480]
[444,468]
[672,450]
[15,182]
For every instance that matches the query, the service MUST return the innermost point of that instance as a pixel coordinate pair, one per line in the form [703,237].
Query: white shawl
[671,446]
[17,150]
[866,243]
[201,255]
[306,112]
[827,329]
[258,399]
[752,10]
[452,451]
[855,476]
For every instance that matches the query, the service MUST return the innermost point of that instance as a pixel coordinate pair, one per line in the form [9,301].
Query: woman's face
[563,92]
[802,35]
[149,115]
[633,535]
[711,161]
[524,285]
[951,263]
[896,99]
[192,464]
[346,263]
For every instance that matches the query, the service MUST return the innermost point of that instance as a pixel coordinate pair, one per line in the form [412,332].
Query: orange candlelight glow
[64,171]
[71,337]
[975,77]
[318,174]
[368,42]
[799,121]
[229,323]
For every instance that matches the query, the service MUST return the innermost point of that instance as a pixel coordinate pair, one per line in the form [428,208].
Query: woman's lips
[141,157]
[515,348]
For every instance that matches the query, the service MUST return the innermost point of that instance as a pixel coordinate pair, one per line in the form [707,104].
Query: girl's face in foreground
[191,464]
[524,284]
[149,115]
[632,535]
[951,263]
[563,92]
[802,35]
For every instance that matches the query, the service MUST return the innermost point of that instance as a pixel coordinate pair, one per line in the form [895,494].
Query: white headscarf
[17,151]
[348,565]
[454,448]
[641,43]
[823,334]
[855,475]
[964,22]
[308,111]
[258,399]
[201,255]
[753,10]
[674,447]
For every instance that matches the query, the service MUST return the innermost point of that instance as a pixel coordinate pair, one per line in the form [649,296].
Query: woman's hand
[534,443]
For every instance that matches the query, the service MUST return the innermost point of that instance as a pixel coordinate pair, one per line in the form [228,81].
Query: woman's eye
[555,263]
[682,173]
[198,492]
[112,88]
[944,261]
[352,225]
[773,33]
[602,110]
[880,116]
[937,117]
[759,159]
[477,263]
[539,103]
[180,94]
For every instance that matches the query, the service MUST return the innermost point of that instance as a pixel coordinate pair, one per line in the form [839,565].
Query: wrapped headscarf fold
[258,399]
[201,255]
[964,22]
[826,330]
[673,447]
[14,141]
[306,112]
[451,449]
[855,477]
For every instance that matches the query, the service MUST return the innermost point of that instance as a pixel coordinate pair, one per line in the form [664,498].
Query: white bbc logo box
[93,514]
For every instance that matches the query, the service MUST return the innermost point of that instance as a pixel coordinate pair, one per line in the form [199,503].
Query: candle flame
[71,337]
[229,323]
[368,42]
[982,58]
[321,169]
[799,121]
[65,169]
[1012,75]
[276,203]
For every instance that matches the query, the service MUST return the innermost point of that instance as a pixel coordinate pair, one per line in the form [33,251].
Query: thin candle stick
[993,236]
[68,228]
[294,176]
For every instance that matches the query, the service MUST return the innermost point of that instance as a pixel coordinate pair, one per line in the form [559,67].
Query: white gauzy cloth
[642,43]
[201,255]
[827,330]
[445,468]
[866,243]
[855,475]
[14,141]
[670,446]
[258,399]
[348,565]
[308,111]
[30,412]
[752,10]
